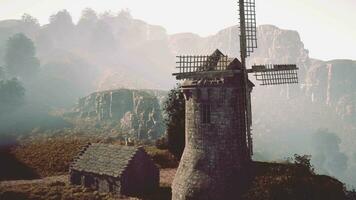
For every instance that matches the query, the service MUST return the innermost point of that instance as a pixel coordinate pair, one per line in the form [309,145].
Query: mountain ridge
[117,51]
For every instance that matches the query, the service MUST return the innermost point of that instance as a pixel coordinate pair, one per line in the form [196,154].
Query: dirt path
[47,180]
[166,178]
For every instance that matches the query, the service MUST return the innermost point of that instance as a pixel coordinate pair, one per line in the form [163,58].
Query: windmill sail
[248,28]
[275,74]
[248,42]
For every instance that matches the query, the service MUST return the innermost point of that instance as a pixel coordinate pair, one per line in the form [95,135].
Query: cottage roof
[104,159]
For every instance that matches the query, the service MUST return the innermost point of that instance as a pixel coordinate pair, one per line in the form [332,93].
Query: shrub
[175,121]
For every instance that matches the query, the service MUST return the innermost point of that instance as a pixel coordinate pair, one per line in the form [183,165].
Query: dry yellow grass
[48,157]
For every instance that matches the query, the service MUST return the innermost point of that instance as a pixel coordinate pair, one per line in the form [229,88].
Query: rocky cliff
[118,51]
[332,83]
[326,82]
[137,113]
[286,117]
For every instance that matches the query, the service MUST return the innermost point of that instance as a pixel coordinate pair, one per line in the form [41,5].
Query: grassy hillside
[35,158]
[51,156]
[40,158]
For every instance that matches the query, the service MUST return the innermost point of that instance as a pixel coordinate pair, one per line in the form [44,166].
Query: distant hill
[104,52]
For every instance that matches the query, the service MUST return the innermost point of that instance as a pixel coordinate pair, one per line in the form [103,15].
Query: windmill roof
[234,63]
[104,159]
[217,52]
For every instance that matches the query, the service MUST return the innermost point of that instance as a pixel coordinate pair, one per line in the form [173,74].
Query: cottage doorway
[75,178]
[88,181]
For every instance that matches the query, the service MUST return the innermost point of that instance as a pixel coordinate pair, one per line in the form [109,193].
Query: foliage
[88,18]
[12,95]
[28,19]
[20,56]
[175,121]
[304,161]
[104,38]
[290,181]
[351,195]
[62,19]
[163,158]
[327,155]
[162,143]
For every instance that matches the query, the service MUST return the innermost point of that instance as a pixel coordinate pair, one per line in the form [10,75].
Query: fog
[46,69]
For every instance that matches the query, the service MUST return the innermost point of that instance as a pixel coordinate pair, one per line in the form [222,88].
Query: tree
[30,25]
[175,121]
[28,19]
[62,19]
[20,56]
[304,160]
[326,153]
[88,19]
[61,29]
[103,38]
[12,95]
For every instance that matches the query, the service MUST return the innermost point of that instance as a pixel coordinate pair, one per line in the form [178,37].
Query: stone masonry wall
[212,163]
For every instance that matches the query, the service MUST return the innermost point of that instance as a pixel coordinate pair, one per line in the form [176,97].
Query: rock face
[137,113]
[274,44]
[324,98]
[326,82]
[331,80]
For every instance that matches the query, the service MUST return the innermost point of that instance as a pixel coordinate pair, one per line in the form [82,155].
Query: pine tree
[20,57]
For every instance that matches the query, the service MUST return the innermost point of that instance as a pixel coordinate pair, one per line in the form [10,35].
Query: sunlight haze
[327,28]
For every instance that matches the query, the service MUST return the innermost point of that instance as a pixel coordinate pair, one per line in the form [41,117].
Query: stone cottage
[113,168]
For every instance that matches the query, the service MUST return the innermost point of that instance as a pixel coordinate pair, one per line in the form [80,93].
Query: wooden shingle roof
[104,159]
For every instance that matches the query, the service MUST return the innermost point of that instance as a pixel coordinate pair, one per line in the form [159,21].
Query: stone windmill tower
[218,116]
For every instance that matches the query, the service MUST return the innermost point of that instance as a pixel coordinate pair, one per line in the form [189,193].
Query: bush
[304,161]
[163,158]
[162,143]
[351,195]
[175,121]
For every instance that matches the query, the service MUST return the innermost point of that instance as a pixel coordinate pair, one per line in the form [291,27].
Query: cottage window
[205,113]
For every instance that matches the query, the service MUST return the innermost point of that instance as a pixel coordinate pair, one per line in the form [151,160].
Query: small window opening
[205,114]
[222,96]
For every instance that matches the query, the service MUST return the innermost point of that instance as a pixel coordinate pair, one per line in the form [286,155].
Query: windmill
[218,117]
[268,74]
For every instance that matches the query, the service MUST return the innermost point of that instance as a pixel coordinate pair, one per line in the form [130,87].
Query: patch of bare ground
[58,188]
[167,176]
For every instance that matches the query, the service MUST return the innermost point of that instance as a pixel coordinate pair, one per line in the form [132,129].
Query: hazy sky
[327,27]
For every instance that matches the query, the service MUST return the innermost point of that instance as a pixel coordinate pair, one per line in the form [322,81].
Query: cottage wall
[141,175]
[116,169]
[101,183]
